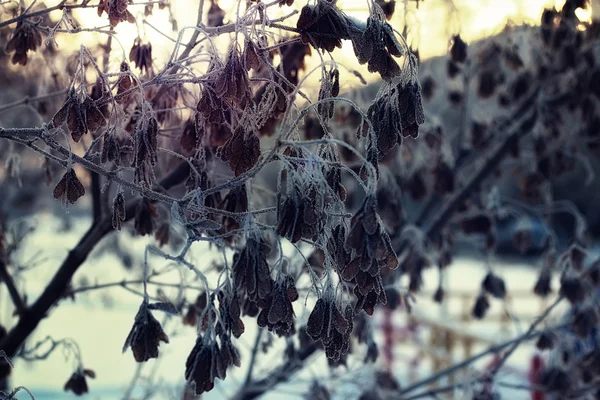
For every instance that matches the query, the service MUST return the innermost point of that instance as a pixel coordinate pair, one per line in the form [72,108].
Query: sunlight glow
[430,27]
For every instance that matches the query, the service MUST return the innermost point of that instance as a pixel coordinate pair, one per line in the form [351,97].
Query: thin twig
[253,357]
[463,364]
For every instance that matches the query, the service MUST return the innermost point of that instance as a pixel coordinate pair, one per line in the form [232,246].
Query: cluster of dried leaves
[209,360]
[324,26]
[25,37]
[82,114]
[117,11]
[77,383]
[242,97]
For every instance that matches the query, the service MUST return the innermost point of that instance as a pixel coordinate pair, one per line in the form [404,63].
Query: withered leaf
[93,116]
[76,121]
[241,151]
[110,149]
[316,320]
[391,43]
[118,211]
[69,187]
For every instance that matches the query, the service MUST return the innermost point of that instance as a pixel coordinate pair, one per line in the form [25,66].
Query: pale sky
[431,26]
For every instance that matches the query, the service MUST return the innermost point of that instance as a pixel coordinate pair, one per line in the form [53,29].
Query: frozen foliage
[182,149]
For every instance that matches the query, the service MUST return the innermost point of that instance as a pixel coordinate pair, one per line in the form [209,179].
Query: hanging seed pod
[118,211]
[141,55]
[69,188]
[145,335]
[584,321]
[487,84]
[542,286]
[481,307]
[330,87]
[494,285]
[241,151]
[578,257]
[573,289]
[77,382]
[25,37]
[438,296]
[252,59]
[323,25]
[428,86]
[144,217]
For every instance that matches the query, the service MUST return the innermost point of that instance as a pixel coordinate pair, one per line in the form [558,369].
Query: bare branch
[12,288]
[55,290]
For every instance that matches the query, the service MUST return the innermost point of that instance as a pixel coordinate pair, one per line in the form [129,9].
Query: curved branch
[55,290]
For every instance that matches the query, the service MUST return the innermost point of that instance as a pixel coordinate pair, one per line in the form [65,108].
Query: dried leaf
[69,188]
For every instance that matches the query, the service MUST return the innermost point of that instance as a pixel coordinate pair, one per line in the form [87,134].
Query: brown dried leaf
[69,188]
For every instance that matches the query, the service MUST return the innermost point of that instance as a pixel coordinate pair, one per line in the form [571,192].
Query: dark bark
[12,288]
[31,316]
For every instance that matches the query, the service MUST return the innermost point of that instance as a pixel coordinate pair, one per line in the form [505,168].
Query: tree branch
[465,159]
[31,316]
[468,361]
[12,288]
[279,375]
[440,219]
[253,357]
[488,168]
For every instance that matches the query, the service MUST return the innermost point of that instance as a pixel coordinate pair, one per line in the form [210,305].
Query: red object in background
[535,367]
[388,333]
[392,335]
[487,387]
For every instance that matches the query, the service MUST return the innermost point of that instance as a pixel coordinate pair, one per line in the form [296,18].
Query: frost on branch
[204,112]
